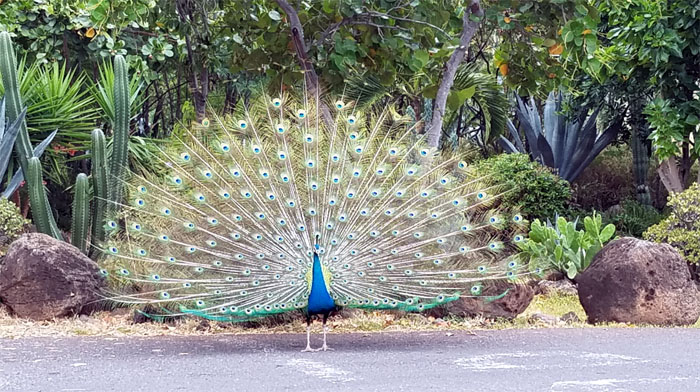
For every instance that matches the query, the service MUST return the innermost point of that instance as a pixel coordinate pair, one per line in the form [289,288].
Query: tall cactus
[41,209]
[99,185]
[8,69]
[120,140]
[640,160]
[81,213]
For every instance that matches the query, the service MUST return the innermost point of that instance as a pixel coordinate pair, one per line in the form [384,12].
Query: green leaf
[571,271]
[422,56]
[466,93]
[558,253]
[274,15]
[430,92]
[607,233]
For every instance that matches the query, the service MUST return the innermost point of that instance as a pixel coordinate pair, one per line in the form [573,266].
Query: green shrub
[534,190]
[11,222]
[681,228]
[564,248]
[633,218]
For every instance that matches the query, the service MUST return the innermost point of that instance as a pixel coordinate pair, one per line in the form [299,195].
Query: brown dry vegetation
[120,323]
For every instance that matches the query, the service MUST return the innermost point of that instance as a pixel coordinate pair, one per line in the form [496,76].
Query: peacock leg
[325,331]
[308,335]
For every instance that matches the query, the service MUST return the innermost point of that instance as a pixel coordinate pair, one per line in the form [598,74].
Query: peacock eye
[339,104]
[242,124]
[276,102]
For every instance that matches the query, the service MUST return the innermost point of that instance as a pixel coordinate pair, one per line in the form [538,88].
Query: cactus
[41,210]
[99,185]
[8,69]
[120,140]
[81,213]
[640,159]
[23,147]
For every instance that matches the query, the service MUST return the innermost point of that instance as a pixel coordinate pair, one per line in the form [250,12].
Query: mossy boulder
[640,282]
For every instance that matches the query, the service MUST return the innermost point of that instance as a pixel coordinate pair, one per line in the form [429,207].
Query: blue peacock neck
[320,301]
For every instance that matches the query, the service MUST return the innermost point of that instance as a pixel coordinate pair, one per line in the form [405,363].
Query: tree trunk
[670,175]
[310,75]
[469,28]
[198,79]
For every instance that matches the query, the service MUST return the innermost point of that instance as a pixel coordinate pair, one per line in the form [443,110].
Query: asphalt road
[556,360]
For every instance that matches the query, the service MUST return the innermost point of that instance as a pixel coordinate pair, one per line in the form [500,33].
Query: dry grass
[120,323]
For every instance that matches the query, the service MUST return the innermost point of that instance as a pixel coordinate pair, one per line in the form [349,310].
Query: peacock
[307,204]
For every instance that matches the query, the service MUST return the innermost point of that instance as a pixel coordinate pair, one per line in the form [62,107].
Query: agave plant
[568,146]
[8,134]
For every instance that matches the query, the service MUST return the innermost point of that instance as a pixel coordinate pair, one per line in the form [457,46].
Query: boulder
[42,278]
[635,281]
[516,300]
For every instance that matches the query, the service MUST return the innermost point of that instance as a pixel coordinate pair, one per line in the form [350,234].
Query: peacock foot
[308,349]
[324,348]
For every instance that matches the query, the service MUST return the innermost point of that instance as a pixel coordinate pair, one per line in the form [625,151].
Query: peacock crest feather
[251,202]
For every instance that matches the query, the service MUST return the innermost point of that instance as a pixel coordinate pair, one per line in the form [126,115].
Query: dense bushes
[533,189]
[633,218]
[681,229]
[610,179]
[12,222]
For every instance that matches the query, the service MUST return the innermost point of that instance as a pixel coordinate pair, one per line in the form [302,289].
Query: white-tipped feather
[229,233]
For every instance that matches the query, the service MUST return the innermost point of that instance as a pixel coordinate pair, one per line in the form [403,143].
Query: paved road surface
[556,360]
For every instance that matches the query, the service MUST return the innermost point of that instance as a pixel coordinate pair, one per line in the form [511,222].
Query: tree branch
[310,75]
[357,19]
[469,28]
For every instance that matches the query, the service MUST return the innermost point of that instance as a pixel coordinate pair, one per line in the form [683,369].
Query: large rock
[635,281]
[516,300]
[42,278]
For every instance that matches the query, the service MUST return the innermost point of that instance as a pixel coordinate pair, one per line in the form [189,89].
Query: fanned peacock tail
[230,233]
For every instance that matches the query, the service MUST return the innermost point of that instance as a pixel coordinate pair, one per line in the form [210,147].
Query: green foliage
[530,40]
[563,247]
[681,228]
[669,127]
[633,218]
[655,42]
[12,222]
[55,99]
[102,92]
[534,190]
[81,214]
